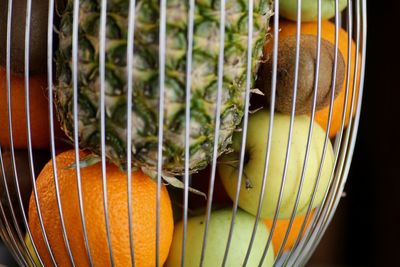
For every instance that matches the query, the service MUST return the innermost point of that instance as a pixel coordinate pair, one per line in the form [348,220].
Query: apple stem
[247,181]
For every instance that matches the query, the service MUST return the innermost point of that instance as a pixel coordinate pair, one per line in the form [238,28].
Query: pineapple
[145,74]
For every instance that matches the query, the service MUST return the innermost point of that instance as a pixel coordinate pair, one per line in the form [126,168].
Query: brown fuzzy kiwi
[38,34]
[306,75]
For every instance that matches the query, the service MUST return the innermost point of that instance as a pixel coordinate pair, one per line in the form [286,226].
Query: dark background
[366,228]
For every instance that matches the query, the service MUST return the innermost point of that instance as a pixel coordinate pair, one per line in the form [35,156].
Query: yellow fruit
[29,245]
[217,237]
[254,166]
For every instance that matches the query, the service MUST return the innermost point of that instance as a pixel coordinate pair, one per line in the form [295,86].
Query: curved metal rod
[29,139]
[352,128]
[245,125]
[344,144]
[129,73]
[308,212]
[217,125]
[13,243]
[102,71]
[187,126]
[338,164]
[161,58]
[310,132]
[75,61]
[286,164]
[5,237]
[269,137]
[12,151]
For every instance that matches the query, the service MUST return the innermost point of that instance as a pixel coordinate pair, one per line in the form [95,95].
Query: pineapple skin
[145,75]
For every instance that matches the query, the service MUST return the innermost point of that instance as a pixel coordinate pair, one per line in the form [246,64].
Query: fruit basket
[175,133]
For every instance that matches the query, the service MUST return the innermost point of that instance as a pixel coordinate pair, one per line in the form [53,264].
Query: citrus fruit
[217,237]
[39,112]
[281,228]
[143,215]
[288,28]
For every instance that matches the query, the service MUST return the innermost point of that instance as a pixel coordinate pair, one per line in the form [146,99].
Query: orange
[39,111]
[143,214]
[281,228]
[288,28]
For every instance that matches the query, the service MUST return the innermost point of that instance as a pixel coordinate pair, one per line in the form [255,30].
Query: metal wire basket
[22,163]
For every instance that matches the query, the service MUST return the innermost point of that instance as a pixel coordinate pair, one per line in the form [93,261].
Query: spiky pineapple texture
[145,75]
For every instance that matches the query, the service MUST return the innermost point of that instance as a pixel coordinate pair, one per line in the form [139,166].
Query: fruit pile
[81,202]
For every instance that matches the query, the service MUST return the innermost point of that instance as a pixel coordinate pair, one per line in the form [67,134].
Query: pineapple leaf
[257,91]
[175,182]
[255,110]
[87,161]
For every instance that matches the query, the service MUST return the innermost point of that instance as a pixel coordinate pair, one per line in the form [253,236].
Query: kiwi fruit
[38,35]
[306,75]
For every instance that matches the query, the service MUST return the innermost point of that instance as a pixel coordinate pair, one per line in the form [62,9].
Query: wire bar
[14,223]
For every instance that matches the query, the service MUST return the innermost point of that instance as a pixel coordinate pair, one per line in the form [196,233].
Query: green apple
[309,9]
[217,237]
[254,165]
